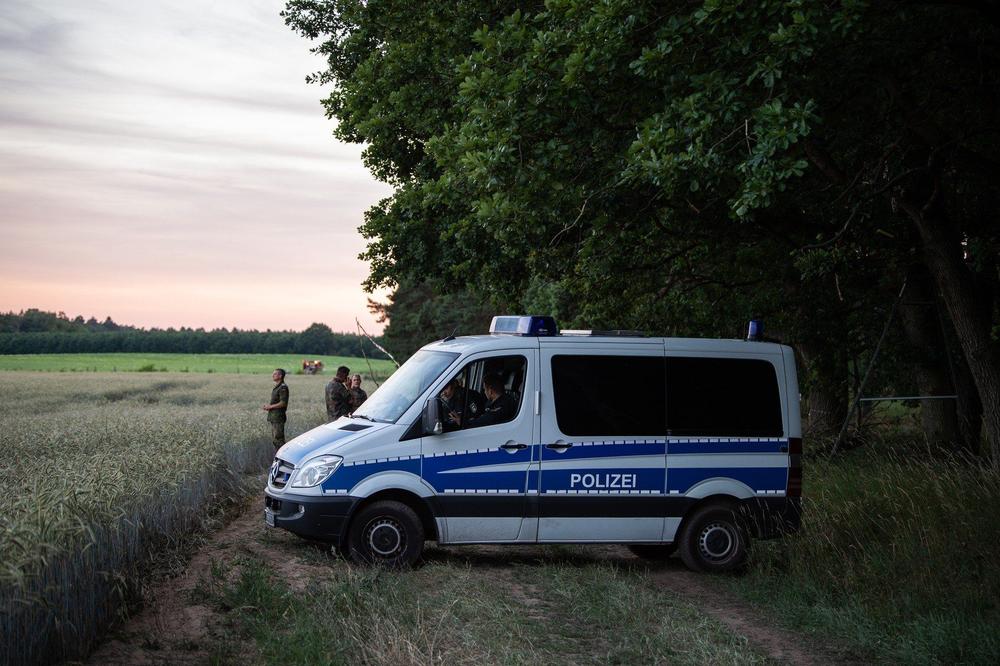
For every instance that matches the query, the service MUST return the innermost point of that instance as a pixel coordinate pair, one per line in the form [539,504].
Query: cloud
[172,147]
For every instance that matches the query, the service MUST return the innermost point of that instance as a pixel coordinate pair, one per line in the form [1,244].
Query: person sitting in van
[453,398]
[500,408]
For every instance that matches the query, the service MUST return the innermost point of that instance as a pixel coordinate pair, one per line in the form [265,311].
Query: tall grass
[545,606]
[897,555]
[101,472]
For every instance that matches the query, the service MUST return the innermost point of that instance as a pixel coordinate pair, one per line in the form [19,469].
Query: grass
[198,363]
[897,557]
[528,606]
[102,472]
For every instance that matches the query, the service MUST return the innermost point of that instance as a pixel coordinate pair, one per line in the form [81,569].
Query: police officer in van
[454,397]
[500,408]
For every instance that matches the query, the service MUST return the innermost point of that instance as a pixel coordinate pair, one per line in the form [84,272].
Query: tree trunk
[921,324]
[942,252]
[826,389]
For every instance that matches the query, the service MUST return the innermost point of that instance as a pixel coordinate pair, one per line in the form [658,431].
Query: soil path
[784,646]
[175,627]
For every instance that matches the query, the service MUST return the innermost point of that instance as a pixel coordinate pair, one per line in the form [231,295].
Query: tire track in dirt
[739,617]
[176,627]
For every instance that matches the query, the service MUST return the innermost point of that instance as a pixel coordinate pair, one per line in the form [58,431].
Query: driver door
[480,472]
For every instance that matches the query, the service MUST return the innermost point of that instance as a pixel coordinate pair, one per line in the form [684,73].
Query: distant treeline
[36,332]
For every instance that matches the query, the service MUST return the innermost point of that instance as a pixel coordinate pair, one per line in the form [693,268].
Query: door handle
[558,446]
[513,446]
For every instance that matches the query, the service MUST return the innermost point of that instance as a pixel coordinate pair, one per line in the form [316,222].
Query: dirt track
[176,628]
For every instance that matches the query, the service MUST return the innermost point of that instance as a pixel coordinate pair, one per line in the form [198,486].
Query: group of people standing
[343,395]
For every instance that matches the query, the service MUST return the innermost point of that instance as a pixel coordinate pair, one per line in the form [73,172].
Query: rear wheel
[653,551]
[386,533]
[714,541]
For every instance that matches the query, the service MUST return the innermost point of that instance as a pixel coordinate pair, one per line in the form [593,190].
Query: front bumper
[308,516]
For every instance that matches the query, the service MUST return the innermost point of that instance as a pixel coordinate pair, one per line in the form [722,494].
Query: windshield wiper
[362,416]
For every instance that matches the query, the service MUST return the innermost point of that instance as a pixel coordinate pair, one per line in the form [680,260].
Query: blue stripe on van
[436,470]
[583,450]
[757,478]
[611,479]
[735,446]
[348,476]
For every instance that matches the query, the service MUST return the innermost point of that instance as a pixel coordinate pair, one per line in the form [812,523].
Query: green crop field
[223,363]
[104,470]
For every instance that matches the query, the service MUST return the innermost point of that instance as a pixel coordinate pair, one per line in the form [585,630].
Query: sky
[164,163]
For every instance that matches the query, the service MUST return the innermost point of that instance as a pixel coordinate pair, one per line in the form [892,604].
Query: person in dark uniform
[453,401]
[277,408]
[338,397]
[358,394]
[500,408]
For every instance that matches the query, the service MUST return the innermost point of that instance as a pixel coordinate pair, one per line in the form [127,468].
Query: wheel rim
[385,537]
[718,541]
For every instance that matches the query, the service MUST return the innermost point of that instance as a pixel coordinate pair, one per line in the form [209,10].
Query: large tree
[680,166]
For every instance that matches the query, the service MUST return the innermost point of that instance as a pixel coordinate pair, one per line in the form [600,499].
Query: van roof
[478,343]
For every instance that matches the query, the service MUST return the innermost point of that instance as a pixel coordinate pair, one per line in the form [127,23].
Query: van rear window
[602,396]
[723,397]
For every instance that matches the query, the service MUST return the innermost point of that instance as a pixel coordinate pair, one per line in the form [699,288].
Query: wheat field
[102,472]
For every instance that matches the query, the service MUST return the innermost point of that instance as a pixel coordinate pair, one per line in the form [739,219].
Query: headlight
[316,471]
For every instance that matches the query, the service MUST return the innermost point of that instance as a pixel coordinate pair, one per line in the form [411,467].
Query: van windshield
[388,402]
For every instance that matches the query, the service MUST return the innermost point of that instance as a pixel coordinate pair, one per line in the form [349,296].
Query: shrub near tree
[679,167]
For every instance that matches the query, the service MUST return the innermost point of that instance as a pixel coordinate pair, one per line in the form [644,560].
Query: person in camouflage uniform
[358,394]
[338,397]
[277,408]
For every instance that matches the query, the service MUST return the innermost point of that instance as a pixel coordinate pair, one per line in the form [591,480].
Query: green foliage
[896,555]
[675,167]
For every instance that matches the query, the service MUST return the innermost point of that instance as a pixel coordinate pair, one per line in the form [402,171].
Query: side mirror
[432,418]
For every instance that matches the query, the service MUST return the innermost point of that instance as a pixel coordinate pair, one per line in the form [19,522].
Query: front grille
[280,472]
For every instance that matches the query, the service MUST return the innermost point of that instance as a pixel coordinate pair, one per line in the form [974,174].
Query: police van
[661,444]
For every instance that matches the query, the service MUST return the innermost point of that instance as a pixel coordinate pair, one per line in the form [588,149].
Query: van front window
[389,401]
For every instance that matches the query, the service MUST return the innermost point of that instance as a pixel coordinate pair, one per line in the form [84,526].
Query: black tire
[386,533]
[653,551]
[714,540]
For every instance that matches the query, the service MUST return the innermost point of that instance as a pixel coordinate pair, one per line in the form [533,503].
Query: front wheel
[387,533]
[714,541]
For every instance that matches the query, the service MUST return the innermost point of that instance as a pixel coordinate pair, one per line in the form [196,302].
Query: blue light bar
[528,325]
[755,331]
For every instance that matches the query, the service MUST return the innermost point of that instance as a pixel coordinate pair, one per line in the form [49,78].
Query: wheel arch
[719,499]
[419,505]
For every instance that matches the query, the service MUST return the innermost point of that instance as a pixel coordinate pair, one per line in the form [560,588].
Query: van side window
[723,397]
[609,395]
[485,392]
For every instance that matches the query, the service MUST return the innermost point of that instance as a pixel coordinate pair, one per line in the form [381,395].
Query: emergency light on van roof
[529,325]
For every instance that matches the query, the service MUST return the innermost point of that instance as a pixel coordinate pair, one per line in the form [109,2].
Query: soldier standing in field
[338,397]
[358,394]
[276,409]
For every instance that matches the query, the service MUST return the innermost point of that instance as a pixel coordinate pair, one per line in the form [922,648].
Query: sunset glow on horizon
[166,165]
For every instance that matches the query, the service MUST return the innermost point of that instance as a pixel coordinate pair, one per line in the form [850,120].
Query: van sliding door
[602,471]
